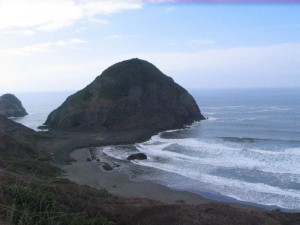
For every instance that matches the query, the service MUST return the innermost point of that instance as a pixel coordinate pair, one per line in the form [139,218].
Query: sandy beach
[92,174]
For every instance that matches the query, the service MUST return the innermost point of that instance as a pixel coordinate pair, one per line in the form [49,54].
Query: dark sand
[92,174]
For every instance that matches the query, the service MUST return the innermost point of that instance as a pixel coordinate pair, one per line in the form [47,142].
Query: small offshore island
[11,106]
[131,101]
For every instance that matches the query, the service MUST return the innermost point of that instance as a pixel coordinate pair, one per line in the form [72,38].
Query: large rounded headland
[131,94]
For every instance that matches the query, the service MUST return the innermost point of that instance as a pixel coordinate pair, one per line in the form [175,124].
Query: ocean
[247,151]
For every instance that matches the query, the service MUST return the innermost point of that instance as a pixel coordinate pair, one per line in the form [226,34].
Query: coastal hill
[11,106]
[131,94]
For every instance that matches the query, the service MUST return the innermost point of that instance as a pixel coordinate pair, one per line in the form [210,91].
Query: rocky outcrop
[11,106]
[137,156]
[129,95]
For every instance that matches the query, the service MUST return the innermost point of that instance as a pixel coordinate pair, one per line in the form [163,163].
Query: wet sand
[92,174]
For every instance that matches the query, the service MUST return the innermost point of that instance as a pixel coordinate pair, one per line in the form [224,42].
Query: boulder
[11,106]
[137,156]
[130,95]
[107,167]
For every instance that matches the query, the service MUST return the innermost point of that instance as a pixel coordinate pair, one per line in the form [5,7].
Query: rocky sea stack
[132,94]
[11,106]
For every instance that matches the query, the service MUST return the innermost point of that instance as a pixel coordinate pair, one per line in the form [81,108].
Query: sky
[57,45]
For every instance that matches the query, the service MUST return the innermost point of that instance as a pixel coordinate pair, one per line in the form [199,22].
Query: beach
[92,174]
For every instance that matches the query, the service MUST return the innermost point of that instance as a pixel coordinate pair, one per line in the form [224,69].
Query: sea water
[248,149]
[38,106]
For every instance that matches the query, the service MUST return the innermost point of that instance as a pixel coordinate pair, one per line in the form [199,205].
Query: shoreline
[92,174]
[69,143]
[119,183]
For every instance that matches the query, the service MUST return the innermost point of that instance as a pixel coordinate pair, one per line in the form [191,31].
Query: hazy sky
[48,45]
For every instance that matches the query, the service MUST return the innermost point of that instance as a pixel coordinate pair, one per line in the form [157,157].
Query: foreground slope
[132,94]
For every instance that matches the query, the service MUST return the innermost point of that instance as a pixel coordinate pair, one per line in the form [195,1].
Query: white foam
[252,118]
[213,118]
[292,151]
[255,192]
[272,109]
[219,155]
[209,113]
[112,151]
[244,191]
[223,107]
[197,159]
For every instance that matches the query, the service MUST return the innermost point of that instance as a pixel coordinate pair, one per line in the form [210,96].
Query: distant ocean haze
[248,150]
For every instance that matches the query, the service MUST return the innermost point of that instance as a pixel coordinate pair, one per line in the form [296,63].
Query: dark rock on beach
[130,95]
[137,156]
[42,127]
[107,167]
[116,165]
[11,106]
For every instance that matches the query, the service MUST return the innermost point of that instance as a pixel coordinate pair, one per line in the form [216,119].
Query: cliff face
[132,94]
[11,106]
